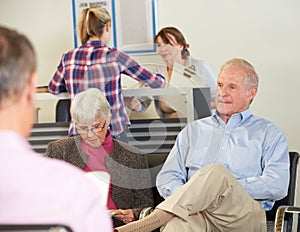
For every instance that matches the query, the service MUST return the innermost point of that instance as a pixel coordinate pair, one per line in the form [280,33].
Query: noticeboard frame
[116,8]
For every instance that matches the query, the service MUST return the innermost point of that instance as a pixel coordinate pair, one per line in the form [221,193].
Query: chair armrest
[279,219]
[34,227]
[145,212]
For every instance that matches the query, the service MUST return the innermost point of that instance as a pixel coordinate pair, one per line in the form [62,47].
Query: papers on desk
[183,77]
[42,89]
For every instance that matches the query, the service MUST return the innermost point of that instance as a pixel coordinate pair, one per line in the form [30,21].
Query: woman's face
[170,53]
[93,134]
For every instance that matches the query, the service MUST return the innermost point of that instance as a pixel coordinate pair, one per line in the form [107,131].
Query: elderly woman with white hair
[94,149]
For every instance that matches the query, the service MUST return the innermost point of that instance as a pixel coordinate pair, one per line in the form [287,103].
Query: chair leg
[280,224]
[270,226]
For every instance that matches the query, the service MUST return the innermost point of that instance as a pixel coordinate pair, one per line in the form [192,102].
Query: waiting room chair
[288,200]
[35,228]
[156,161]
[62,113]
[281,214]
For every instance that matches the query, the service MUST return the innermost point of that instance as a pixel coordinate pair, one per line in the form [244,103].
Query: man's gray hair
[251,78]
[89,105]
[17,64]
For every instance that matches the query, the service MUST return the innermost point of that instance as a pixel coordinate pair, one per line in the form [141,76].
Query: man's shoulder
[262,126]
[261,121]
[198,126]
[200,121]
[52,171]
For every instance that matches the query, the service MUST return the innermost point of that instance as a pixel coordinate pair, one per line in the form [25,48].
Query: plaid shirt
[94,65]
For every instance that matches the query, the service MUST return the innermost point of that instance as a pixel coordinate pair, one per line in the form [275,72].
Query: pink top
[35,189]
[96,162]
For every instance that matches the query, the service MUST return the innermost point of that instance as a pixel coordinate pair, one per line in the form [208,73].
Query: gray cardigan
[127,166]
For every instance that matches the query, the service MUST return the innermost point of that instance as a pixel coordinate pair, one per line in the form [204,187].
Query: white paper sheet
[101,180]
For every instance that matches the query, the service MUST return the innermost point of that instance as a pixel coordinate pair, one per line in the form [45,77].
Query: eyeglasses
[97,128]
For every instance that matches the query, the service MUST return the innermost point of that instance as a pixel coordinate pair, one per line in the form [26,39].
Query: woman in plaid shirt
[96,65]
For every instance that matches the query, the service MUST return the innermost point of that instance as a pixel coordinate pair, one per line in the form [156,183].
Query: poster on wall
[133,23]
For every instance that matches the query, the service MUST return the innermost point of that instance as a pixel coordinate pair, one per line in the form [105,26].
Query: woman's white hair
[89,105]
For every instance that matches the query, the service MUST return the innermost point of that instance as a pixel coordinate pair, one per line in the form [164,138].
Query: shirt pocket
[244,162]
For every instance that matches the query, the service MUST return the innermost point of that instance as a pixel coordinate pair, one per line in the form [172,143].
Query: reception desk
[197,100]
[149,135]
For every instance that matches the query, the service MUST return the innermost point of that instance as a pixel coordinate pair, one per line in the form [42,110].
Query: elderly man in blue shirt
[226,170]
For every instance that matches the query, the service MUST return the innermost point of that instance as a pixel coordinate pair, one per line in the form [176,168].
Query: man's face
[232,94]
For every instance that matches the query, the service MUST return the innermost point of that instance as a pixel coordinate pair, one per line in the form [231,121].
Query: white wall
[266,33]
[49,25]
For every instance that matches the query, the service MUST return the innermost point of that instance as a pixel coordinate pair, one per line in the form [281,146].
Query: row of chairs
[35,228]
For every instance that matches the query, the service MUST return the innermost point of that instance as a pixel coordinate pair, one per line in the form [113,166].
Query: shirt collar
[94,43]
[241,117]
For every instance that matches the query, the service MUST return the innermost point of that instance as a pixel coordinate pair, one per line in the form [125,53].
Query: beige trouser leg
[221,200]
[194,223]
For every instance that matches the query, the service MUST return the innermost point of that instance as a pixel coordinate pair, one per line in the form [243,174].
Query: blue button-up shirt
[253,149]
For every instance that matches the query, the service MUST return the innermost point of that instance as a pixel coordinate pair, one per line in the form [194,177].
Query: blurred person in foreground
[93,149]
[35,189]
[226,170]
[95,65]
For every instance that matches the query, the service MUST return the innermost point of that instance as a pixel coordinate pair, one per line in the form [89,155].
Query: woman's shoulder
[128,155]
[119,145]
[63,142]
[201,67]
[197,63]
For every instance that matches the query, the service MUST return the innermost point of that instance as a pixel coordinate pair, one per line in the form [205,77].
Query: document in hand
[101,180]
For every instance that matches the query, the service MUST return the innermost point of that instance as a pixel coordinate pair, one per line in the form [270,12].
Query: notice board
[134,23]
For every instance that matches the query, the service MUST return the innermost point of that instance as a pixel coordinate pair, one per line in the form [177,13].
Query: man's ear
[252,93]
[31,88]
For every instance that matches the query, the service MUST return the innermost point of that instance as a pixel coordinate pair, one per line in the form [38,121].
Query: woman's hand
[132,103]
[124,215]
